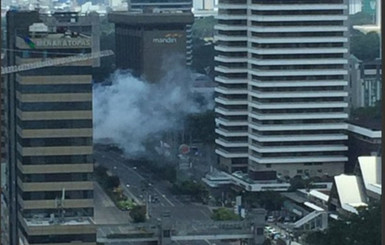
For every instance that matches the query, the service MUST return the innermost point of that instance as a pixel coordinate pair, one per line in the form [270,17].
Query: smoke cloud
[130,110]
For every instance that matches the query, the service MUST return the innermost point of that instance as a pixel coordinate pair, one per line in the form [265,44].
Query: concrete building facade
[49,195]
[282,75]
[147,40]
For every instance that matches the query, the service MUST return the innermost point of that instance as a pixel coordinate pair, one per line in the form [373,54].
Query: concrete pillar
[166,229]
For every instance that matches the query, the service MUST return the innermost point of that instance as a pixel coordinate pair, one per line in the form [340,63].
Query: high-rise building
[281,99]
[146,40]
[48,114]
[164,5]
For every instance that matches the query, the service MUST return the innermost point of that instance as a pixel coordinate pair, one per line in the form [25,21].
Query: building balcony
[298,116]
[230,38]
[225,48]
[298,72]
[228,143]
[297,6]
[293,159]
[227,154]
[323,39]
[319,83]
[226,122]
[282,51]
[225,101]
[313,61]
[293,94]
[231,16]
[224,90]
[299,105]
[225,69]
[279,149]
[227,112]
[228,133]
[299,127]
[299,137]
[224,27]
[228,59]
[260,29]
[288,18]
[226,80]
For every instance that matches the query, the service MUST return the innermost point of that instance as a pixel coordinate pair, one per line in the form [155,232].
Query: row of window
[54,88]
[52,195]
[62,177]
[71,159]
[54,106]
[47,142]
[55,124]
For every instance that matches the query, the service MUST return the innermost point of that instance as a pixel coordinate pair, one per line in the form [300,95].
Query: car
[134,167]
[127,185]
[270,219]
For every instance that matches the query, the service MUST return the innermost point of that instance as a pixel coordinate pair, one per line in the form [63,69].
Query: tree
[138,214]
[112,182]
[365,47]
[359,229]
[196,190]
[202,126]
[223,214]
[361,18]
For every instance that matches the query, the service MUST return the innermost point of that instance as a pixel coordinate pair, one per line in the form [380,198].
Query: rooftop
[133,18]
[369,123]
[371,169]
[350,192]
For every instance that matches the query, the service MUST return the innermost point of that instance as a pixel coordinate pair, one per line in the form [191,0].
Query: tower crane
[55,61]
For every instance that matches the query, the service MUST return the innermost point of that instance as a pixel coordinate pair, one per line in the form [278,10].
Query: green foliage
[297,183]
[112,182]
[371,112]
[125,204]
[361,18]
[365,47]
[162,169]
[138,214]
[361,229]
[223,214]
[202,126]
[203,27]
[197,191]
[269,200]
[203,52]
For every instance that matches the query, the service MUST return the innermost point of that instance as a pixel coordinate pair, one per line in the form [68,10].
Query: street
[134,179]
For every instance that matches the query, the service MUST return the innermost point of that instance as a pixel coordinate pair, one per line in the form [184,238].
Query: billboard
[160,47]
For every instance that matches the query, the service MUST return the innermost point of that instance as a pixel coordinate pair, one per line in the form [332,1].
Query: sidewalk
[131,196]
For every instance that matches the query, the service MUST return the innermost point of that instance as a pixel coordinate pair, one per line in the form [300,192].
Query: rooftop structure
[350,192]
[371,171]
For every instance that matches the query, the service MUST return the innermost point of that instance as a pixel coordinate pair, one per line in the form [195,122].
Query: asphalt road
[132,182]
[133,179]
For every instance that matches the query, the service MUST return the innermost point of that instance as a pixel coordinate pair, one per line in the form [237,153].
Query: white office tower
[280,98]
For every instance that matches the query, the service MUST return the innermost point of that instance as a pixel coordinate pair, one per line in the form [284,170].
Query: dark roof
[373,123]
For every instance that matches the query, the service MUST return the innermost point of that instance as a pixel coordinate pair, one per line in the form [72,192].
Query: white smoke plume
[130,110]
